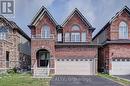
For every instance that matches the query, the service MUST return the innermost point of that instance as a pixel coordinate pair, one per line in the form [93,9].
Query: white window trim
[43,34]
[123,30]
[59,37]
[83,39]
[75,27]
[67,37]
[75,34]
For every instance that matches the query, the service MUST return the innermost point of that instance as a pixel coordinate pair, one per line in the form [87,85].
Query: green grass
[22,80]
[118,80]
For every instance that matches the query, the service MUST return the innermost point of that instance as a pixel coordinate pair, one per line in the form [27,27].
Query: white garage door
[75,67]
[120,67]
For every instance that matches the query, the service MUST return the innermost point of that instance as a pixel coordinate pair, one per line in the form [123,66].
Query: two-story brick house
[114,54]
[14,46]
[65,49]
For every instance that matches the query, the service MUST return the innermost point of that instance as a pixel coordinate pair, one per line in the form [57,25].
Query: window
[75,37]
[123,30]
[59,37]
[75,27]
[83,36]
[58,59]
[67,37]
[7,59]
[45,32]
[3,33]
[7,56]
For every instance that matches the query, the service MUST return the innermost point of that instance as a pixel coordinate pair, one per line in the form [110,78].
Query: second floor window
[45,32]
[75,37]
[83,37]
[123,30]
[75,27]
[3,33]
[67,37]
[59,38]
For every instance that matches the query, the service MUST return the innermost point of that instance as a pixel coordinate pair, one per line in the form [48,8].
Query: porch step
[40,72]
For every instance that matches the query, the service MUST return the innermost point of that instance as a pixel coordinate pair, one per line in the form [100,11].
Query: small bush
[14,70]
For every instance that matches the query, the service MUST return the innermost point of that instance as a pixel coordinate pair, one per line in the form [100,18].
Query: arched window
[3,33]
[45,32]
[75,27]
[123,30]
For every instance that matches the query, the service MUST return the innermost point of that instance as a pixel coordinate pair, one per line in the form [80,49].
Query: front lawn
[22,80]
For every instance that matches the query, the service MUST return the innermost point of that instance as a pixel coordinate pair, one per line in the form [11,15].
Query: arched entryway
[43,58]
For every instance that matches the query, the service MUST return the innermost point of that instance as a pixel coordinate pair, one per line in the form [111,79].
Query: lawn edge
[100,75]
[122,78]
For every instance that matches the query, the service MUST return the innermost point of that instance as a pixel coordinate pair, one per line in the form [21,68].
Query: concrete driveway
[67,80]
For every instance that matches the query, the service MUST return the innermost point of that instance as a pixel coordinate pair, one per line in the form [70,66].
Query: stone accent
[11,45]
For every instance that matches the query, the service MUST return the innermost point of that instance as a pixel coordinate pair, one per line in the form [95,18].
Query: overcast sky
[97,12]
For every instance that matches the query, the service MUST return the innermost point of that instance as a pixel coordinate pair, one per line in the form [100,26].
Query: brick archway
[43,47]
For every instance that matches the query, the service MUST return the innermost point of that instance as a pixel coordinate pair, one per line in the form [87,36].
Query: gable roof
[125,8]
[76,11]
[41,13]
[13,25]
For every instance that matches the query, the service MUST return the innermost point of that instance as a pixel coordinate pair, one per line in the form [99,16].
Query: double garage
[76,66]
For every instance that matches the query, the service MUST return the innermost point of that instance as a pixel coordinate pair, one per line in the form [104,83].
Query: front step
[41,72]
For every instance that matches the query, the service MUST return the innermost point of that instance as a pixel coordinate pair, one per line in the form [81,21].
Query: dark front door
[44,63]
[43,58]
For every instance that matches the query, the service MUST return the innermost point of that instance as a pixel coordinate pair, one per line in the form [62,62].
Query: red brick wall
[83,28]
[76,52]
[114,28]
[40,43]
[44,21]
[62,51]
[119,51]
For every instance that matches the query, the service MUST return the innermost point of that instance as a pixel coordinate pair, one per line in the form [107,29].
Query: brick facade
[112,47]
[62,49]
[13,45]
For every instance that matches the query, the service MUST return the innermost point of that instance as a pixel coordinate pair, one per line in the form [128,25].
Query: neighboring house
[114,54]
[15,48]
[62,50]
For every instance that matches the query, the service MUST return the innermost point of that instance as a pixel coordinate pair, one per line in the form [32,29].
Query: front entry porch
[43,66]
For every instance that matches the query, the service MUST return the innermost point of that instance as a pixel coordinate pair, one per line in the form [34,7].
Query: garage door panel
[74,67]
[120,67]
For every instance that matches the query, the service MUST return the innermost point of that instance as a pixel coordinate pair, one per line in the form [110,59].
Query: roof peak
[125,6]
[77,11]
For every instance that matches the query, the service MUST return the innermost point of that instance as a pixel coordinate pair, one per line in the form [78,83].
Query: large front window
[75,35]
[45,32]
[3,33]
[123,30]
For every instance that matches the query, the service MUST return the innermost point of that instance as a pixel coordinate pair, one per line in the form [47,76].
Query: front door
[43,58]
